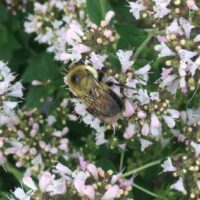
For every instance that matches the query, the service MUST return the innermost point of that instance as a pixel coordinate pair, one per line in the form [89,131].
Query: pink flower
[28,181]
[80,186]
[154,121]
[111,193]
[107,33]
[161,38]
[145,130]
[141,114]
[62,169]
[130,131]
[109,15]
[192,5]
[122,146]
[166,72]
[81,48]
[156,127]
[93,170]
[45,180]
[129,108]
[89,192]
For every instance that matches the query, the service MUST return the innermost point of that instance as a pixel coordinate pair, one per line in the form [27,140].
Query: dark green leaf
[130,36]
[41,67]
[97,9]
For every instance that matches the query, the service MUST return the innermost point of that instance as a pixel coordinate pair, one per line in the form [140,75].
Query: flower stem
[121,161]
[11,169]
[142,168]
[141,47]
[148,192]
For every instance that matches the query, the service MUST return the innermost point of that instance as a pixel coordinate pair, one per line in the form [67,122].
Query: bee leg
[114,128]
[71,94]
[100,75]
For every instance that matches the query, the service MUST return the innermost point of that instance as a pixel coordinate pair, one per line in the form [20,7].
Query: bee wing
[103,102]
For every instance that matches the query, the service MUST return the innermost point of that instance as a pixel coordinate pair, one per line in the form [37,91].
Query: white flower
[164,50]
[109,15]
[8,90]
[124,58]
[100,138]
[51,120]
[174,28]
[187,26]
[97,60]
[185,55]
[196,147]
[57,187]
[142,96]
[28,181]
[21,194]
[136,8]
[179,186]
[167,166]
[144,144]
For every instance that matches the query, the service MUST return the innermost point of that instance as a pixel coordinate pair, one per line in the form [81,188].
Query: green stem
[11,169]
[142,168]
[141,47]
[148,192]
[121,161]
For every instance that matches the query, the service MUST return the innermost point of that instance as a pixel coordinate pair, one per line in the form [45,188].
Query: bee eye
[75,79]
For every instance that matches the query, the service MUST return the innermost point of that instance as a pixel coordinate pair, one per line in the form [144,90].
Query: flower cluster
[16,5]
[8,94]
[86,182]
[186,166]
[177,33]
[69,34]
[34,141]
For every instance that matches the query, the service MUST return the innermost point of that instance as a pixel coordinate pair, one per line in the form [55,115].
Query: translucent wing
[103,102]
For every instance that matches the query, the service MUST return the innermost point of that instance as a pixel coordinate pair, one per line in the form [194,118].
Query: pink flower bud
[111,193]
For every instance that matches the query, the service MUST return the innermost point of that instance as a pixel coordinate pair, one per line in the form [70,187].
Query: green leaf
[34,96]
[97,9]
[121,10]
[41,67]
[8,44]
[130,36]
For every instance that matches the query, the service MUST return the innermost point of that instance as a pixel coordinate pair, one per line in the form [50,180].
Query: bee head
[79,79]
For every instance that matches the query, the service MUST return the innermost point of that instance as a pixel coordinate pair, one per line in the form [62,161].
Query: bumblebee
[98,97]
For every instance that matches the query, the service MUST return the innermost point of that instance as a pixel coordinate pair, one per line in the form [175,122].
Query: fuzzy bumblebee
[98,97]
